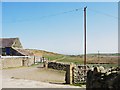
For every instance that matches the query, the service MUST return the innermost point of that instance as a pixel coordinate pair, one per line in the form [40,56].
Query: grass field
[111,58]
[71,59]
[80,59]
[53,57]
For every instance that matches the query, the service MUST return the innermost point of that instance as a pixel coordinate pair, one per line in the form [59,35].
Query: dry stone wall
[79,74]
[94,77]
[74,73]
[100,77]
[57,66]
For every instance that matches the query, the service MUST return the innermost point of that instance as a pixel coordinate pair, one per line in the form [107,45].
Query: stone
[108,80]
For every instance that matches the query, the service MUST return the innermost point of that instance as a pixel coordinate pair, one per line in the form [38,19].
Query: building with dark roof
[10,42]
[12,47]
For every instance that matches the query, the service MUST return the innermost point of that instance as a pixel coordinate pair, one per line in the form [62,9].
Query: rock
[102,69]
[99,79]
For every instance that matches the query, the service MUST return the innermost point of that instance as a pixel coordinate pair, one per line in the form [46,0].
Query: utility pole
[85,38]
[98,55]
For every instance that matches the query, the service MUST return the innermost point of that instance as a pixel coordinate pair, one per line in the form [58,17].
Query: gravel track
[33,77]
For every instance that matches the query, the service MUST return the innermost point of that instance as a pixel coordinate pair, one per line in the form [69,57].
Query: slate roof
[24,52]
[7,42]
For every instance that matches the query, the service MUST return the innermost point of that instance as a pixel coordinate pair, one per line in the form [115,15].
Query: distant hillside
[106,54]
[46,54]
[91,58]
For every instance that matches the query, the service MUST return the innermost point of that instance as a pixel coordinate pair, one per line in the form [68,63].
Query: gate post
[69,74]
[46,64]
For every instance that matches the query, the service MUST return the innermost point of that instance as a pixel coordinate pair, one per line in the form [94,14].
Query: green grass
[76,59]
[77,85]
[69,59]
[53,57]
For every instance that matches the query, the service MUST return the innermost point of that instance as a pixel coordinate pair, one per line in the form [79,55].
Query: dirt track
[21,83]
[34,77]
[34,73]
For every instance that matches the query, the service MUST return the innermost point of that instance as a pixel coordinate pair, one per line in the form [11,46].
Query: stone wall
[94,77]
[10,61]
[57,66]
[100,77]
[75,74]
[79,74]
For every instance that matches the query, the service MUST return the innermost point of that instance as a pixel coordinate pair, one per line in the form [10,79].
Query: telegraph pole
[85,38]
[98,56]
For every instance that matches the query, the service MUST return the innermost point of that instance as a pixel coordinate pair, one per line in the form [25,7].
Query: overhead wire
[51,15]
[74,10]
[65,12]
[102,13]
[78,9]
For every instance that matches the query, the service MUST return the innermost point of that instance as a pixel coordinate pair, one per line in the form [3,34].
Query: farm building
[12,47]
[13,55]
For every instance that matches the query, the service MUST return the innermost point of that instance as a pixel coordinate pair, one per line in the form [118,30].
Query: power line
[70,11]
[65,12]
[102,13]
[78,9]
[52,15]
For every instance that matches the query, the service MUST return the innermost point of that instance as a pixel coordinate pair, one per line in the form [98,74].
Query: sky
[40,26]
